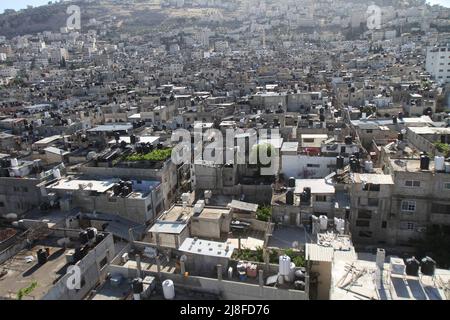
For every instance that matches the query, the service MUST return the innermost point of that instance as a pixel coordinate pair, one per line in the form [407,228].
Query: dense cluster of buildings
[358,123]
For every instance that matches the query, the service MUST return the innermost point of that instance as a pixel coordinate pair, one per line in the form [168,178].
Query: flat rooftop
[393,287]
[22,270]
[430,130]
[372,178]
[318,186]
[409,165]
[67,184]
[208,248]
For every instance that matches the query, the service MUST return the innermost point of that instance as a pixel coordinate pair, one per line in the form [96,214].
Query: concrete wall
[91,272]
[323,268]
[229,290]
[297,166]
[18,195]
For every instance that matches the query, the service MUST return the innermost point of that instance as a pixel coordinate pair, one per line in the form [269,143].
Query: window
[409,206]
[369,131]
[447,185]
[384,224]
[364,214]
[321,198]
[2,204]
[440,208]
[372,202]
[362,223]
[311,165]
[412,183]
[404,225]
[371,187]
[308,140]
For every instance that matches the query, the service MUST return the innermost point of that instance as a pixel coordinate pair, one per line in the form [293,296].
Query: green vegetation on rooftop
[258,256]
[264,213]
[443,148]
[155,155]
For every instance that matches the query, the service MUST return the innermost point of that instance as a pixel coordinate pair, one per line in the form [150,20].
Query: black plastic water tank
[299,285]
[428,266]
[137,285]
[339,162]
[90,233]
[84,238]
[424,162]
[42,256]
[290,198]
[291,182]
[412,266]
[394,119]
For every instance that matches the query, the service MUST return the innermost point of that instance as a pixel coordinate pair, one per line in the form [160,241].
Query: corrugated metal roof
[315,252]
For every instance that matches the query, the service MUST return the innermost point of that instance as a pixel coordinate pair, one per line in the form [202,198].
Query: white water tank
[168,289]
[340,225]
[368,166]
[284,265]
[439,163]
[291,276]
[185,197]
[323,223]
[381,256]
[14,162]
[57,174]
[199,206]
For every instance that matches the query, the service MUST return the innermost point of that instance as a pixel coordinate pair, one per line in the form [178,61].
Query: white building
[438,63]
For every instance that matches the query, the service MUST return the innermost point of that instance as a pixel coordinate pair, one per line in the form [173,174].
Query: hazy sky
[20,4]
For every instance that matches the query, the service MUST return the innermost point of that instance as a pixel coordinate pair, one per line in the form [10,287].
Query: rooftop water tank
[439,163]
[323,222]
[57,173]
[284,265]
[291,182]
[368,166]
[339,162]
[424,162]
[412,267]
[137,285]
[14,162]
[397,266]
[168,289]
[428,266]
[290,197]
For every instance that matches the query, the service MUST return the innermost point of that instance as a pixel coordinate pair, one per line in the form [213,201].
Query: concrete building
[438,63]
